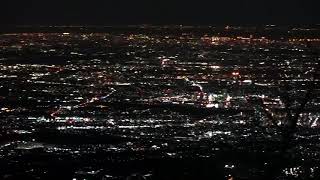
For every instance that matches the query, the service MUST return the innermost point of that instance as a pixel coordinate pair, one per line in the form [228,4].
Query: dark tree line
[293,111]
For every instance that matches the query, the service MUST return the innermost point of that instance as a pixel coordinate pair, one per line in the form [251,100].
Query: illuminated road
[92,100]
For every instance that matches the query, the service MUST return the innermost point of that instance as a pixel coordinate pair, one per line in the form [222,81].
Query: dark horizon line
[163,25]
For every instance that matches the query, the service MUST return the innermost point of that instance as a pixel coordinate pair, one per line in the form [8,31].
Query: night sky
[124,12]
